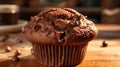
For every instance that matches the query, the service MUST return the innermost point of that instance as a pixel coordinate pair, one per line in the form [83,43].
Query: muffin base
[59,56]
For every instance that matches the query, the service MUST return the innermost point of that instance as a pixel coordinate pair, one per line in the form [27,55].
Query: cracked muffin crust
[60,26]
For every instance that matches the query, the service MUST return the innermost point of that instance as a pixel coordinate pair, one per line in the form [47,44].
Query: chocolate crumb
[104,44]
[8,49]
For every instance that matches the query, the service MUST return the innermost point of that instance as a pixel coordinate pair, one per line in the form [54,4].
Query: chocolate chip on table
[37,27]
[4,38]
[17,53]
[19,41]
[104,44]
[8,49]
[15,58]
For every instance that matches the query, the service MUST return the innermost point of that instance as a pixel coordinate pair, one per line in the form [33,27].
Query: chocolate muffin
[59,36]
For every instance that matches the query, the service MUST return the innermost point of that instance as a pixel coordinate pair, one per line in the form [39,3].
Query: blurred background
[104,51]
[99,11]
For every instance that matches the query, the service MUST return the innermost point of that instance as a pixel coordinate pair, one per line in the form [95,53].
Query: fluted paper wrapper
[59,56]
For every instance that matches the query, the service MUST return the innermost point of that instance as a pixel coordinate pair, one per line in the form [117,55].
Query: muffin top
[60,26]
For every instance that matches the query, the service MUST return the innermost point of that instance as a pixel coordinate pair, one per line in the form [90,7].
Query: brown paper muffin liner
[59,56]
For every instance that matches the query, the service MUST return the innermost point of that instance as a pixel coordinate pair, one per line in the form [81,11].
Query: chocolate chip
[104,44]
[71,17]
[78,17]
[62,16]
[8,49]
[15,58]
[60,36]
[52,19]
[37,27]
[48,33]
[77,23]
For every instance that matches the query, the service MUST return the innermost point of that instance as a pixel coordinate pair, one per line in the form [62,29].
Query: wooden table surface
[96,56]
